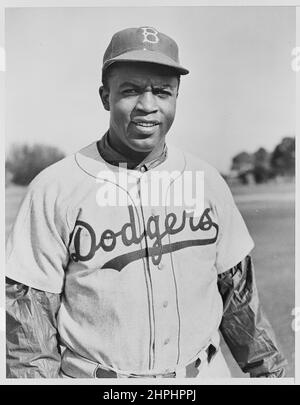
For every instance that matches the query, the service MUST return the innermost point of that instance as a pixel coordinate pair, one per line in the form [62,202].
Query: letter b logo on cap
[150,35]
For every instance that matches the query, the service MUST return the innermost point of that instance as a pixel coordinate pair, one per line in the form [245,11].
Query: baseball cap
[143,44]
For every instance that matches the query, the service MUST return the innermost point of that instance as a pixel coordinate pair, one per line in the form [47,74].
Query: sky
[239,95]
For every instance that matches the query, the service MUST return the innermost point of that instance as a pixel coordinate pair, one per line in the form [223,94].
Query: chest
[117,225]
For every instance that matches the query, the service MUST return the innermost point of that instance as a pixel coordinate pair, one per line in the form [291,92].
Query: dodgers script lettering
[128,235]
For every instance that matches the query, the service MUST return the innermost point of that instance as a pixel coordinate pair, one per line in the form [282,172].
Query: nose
[147,102]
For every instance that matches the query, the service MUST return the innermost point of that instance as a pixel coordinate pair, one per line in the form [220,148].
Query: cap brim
[148,57]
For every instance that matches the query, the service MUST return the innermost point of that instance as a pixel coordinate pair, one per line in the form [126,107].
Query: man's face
[141,99]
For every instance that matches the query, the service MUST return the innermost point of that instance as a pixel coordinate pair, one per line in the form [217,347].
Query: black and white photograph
[150,193]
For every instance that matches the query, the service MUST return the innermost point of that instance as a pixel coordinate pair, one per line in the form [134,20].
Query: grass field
[269,213]
[271,223]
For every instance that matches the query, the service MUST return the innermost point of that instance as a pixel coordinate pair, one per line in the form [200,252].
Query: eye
[163,93]
[129,92]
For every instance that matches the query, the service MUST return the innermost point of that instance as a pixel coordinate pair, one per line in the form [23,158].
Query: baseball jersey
[138,279]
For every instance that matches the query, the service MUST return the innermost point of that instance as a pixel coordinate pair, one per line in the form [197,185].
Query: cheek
[120,112]
[169,114]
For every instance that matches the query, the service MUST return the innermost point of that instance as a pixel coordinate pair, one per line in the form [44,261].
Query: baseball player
[111,271]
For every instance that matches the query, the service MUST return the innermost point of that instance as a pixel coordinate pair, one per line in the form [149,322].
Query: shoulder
[195,162]
[68,173]
[215,185]
[57,175]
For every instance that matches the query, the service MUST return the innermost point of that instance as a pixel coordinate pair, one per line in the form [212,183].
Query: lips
[145,124]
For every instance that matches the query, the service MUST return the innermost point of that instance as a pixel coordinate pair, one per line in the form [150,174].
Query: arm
[31,346]
[36,259]
[244,326]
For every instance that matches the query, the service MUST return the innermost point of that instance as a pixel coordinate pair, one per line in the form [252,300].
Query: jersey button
[160,266]
[165,304]
[166,341]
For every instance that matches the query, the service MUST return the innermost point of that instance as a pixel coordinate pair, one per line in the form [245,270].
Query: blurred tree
[8,175]
[283,158]
[25,162]
[262,167]
[242,162]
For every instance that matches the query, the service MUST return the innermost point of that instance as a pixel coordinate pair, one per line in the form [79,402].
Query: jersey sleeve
[37,247]
[234,241]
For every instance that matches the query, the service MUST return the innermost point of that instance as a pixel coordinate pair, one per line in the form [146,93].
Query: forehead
[142,73]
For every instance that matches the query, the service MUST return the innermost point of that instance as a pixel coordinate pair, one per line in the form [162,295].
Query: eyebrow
[165,85]
[125,84]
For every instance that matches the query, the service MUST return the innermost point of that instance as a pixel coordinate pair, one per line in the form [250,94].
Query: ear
[178,86]
[104,95]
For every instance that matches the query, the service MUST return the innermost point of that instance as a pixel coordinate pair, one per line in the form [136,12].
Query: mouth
[145,124]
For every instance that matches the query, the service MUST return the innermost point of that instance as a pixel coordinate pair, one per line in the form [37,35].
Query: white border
[139,3]
[297,232]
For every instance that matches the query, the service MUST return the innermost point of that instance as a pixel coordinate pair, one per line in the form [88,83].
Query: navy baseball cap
[143,44]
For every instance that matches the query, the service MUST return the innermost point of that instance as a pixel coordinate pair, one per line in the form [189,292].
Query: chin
[143,145]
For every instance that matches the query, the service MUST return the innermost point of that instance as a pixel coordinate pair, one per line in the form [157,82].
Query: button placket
[164,308]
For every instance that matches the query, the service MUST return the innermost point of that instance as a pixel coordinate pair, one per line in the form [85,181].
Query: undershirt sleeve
[32,349]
